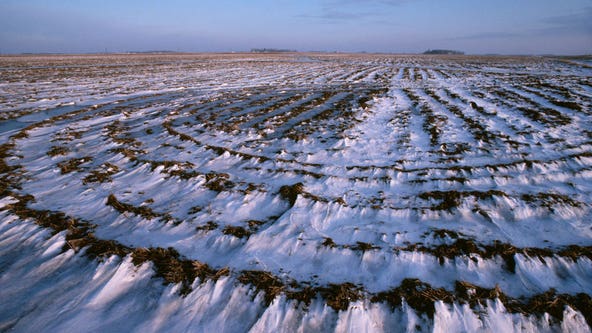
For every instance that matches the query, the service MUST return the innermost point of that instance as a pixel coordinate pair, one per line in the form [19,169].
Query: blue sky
[400,26]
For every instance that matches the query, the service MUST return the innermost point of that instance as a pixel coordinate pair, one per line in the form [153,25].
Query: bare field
[295,192]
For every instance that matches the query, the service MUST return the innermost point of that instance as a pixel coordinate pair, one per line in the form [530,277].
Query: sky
[393,26]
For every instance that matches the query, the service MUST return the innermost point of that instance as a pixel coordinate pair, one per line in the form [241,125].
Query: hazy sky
[473,26]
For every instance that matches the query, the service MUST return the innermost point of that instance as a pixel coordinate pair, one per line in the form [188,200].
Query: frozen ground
[295,193]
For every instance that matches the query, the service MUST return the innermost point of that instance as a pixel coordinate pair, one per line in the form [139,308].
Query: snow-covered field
[295,192]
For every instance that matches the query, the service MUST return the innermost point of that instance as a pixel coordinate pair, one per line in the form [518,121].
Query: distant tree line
[443,52]
[266,50]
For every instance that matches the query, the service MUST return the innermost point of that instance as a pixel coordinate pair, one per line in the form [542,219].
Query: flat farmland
[295,192]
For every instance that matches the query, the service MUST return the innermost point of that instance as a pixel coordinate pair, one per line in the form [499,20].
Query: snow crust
[367,179]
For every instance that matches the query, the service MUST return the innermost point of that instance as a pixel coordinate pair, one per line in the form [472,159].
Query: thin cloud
[573,23]
[367,2]
[336,15]
[489,35]
[334,11]
[578,23]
